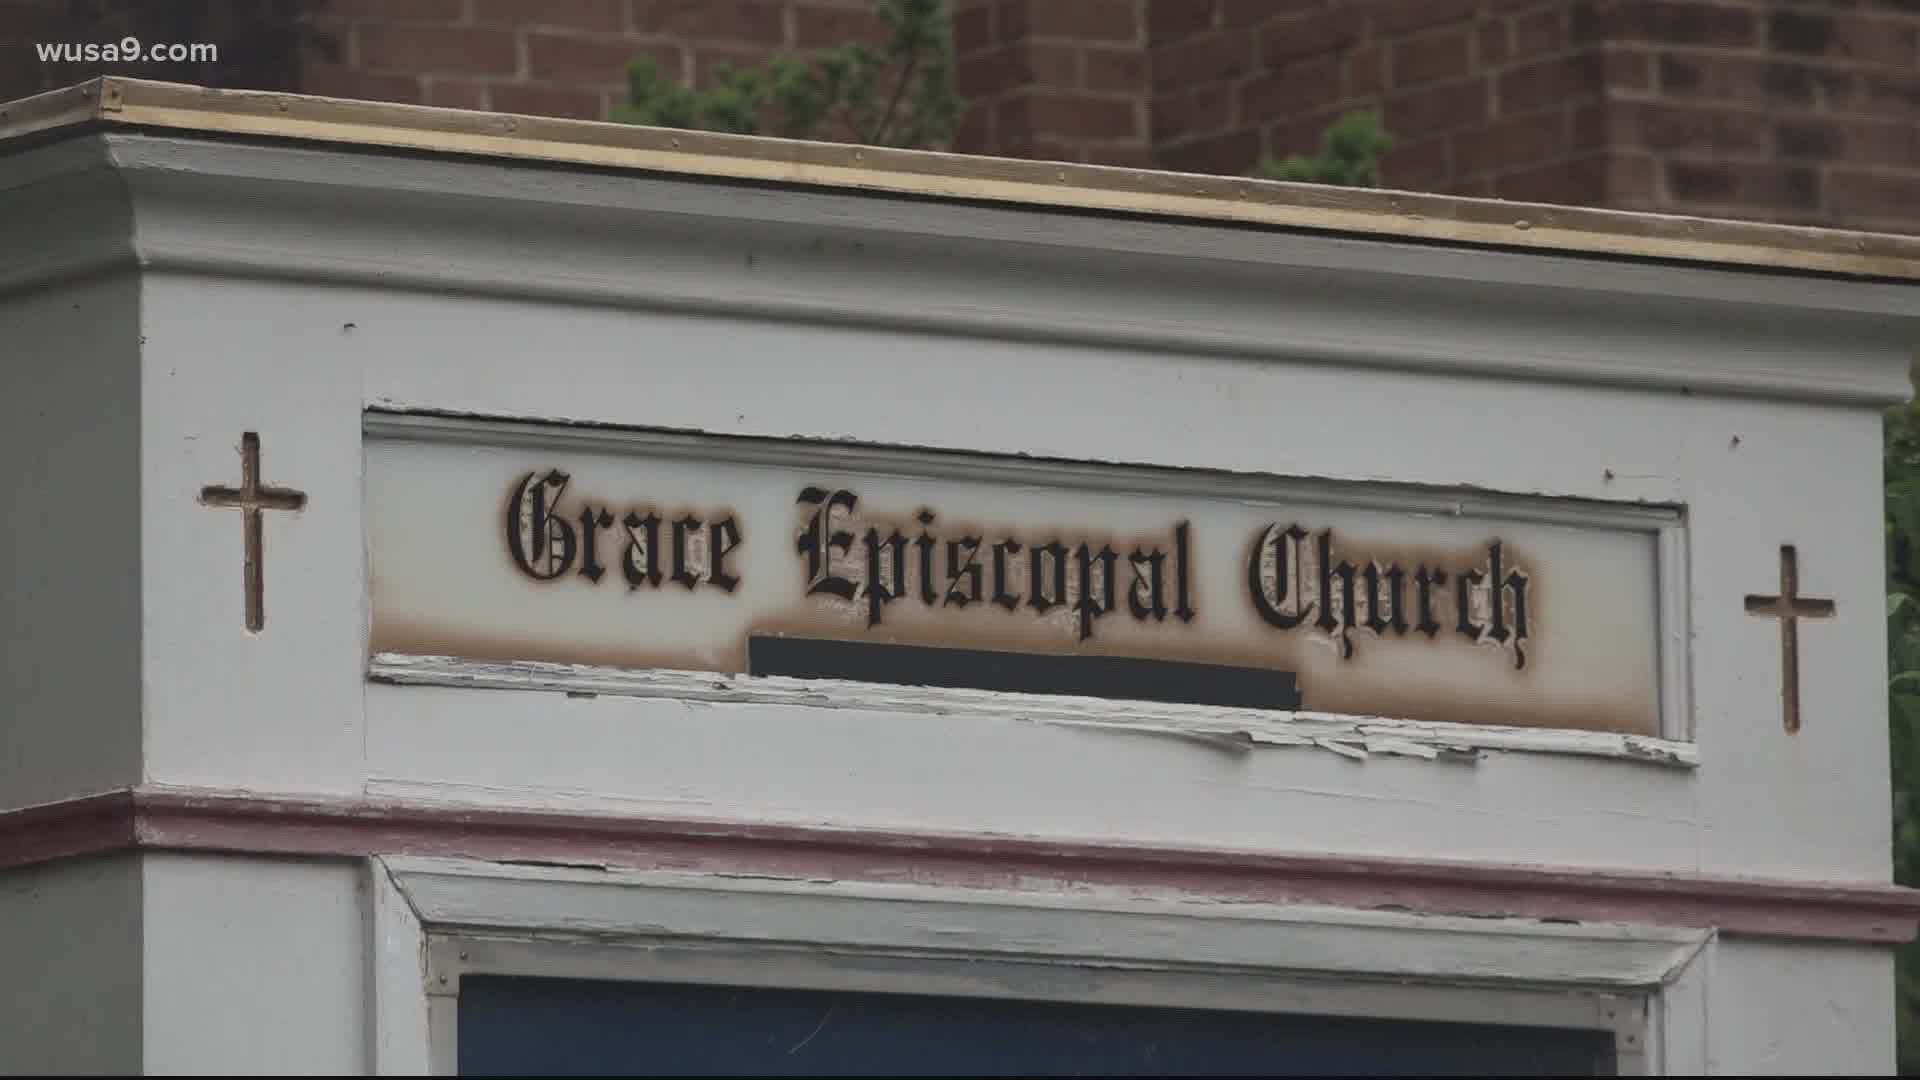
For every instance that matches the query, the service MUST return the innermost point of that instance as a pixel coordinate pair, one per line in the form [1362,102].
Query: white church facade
[490,594]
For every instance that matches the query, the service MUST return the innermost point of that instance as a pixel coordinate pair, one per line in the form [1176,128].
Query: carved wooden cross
[1790,607]
[250,498]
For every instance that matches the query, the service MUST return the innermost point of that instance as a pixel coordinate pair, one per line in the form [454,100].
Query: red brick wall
[1802,112]
[1057,79]
[1483,97]
[553,57]
[1063,80]
[1793,110]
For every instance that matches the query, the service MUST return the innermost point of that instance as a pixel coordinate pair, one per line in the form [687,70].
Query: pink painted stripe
[87,825]
[187,820]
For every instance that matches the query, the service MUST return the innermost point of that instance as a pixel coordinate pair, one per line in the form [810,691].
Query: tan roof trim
[1404,215]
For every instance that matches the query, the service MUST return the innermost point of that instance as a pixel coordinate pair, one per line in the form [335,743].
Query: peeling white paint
[1235,731]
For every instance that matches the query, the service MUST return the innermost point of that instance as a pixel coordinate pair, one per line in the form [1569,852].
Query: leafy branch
[1902,448]
[832,92]
[1350,152]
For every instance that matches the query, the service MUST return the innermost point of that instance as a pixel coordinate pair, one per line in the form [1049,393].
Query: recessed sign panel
[504,542]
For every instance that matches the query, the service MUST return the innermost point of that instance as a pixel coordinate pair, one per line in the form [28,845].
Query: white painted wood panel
[1776,1009]
[71,978]
[1115,947]
[1092,928]
[286,290]
[796,255]
[1751,475]
[279,709]
[396,999]
[1233,730]
[961,772]
[253,966]
[1814,482]
[70,569]
[713,551]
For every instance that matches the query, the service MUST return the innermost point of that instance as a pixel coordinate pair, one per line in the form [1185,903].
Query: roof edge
[1360,212]
[67,107]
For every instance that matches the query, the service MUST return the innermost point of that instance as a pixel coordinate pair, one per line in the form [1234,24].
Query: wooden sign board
[506,542]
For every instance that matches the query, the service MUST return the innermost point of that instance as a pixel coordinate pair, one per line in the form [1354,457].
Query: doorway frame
[436,921]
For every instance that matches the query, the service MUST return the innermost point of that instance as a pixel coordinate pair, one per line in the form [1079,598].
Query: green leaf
[902,96]
[1901,466]
[1350,152]
[1904,505]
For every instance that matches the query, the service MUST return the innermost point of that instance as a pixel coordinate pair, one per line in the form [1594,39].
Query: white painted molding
[1107,946]
[1235,731]
[394,221]
[1006,469]
[1100,926]
[1679,1025]
[396,1009]
[67,216]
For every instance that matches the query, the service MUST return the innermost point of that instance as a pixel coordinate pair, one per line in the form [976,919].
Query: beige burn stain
[1410,557]
[1508,708]
[1510,696]
[1508,700]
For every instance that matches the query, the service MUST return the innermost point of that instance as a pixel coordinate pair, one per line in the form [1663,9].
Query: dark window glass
[525,1026]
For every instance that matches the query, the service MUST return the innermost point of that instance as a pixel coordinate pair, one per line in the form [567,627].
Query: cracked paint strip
[1236,731]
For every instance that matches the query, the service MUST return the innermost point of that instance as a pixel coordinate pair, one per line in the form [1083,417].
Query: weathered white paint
[1094,926]
[283,707]
[1776,1009]
[1775,837]
[253,966]
[1679,1022]
[883,768]
[683,245]
[70,636]
[1743,501]
[1234,731]
[1568,609]
[71,977]
[286,290]
[1109,946]
[396,960]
